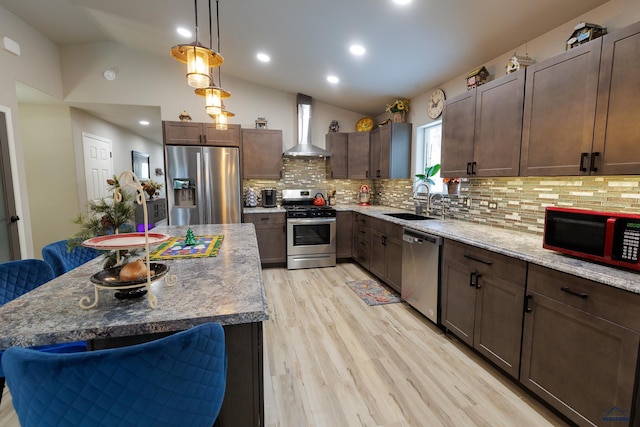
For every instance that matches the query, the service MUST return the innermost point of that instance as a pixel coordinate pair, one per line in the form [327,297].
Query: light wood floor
[331,360]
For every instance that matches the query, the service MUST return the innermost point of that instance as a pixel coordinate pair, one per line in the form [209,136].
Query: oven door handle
[308,221]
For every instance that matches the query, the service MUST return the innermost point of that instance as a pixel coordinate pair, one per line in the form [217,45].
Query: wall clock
[435,103]
[365,124]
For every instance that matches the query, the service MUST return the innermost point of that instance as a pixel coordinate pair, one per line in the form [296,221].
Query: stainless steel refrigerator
[203,185]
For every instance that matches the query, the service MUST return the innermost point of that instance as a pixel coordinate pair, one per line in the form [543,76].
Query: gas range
[299,204]
[311,230]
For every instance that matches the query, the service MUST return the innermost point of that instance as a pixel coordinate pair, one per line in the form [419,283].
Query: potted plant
[106,216]
[453,185]
[429,171]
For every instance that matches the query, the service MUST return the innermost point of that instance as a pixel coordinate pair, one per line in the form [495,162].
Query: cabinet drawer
[613,304]
[265,218]
[487,262]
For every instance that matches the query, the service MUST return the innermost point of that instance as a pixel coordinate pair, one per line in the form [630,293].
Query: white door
[98,165]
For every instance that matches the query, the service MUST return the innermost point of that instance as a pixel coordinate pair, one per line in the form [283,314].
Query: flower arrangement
[151,187]
[399,106]
[451,180]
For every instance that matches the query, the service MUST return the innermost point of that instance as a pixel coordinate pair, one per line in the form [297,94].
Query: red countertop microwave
[606,237]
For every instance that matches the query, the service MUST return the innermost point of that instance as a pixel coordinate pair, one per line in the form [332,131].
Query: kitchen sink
[408,216]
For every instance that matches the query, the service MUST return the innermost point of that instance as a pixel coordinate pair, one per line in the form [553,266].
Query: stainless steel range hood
[304,148]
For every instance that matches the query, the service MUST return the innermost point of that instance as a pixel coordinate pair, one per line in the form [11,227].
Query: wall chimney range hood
[304,148]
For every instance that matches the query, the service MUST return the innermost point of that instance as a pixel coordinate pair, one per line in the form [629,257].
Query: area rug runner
[206,246]
[373,293]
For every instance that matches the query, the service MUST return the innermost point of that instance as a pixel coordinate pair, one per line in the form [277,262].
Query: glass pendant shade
[221,121]
[213,99]
[199,60]
[198,67]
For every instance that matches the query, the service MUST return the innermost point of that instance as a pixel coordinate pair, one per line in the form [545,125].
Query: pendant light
[199,59]
[221,120]
[214,94]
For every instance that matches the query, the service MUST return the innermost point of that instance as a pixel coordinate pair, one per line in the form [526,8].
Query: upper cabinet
[194,133]
[262,153]
[337,144]
[617,129]
[559,113]
[482,129]
[349,154]
[358,155]
[390,151]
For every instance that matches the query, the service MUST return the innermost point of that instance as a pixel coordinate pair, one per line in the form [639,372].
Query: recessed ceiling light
[263,57]
[333,79]
[402,1]
[144,122]
[356,49]
[183,32]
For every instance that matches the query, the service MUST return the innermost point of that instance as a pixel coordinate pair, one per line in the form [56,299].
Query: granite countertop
[227,289]
[524,246]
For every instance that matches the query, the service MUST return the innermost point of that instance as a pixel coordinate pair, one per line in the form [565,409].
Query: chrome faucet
[442,204]
[416,197]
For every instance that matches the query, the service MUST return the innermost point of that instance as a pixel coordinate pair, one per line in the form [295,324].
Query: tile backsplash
[519,201]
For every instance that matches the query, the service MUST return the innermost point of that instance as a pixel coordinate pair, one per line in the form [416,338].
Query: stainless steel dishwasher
[421,264]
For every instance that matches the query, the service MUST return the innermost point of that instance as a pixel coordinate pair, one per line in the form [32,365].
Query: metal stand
[129,179]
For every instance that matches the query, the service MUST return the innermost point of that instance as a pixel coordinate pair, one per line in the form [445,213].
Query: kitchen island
[227,289]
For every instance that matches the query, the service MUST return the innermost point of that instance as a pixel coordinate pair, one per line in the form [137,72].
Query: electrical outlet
[468,202]
[493,205]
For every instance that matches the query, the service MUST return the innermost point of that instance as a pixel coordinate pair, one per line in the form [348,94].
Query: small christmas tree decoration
[190,239]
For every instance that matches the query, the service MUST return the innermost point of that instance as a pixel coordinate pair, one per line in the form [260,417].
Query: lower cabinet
[580,347]
[386,252]
[344,234]
[361,239]
[271,233]
[482,302]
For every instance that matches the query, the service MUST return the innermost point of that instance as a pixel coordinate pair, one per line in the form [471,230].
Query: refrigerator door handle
[208,218]
[199,186]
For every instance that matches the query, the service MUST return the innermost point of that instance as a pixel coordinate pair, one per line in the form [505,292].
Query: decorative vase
[398,117]
[151,192]
[453,187]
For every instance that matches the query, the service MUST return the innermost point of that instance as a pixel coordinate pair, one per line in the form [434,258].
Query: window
[428,151]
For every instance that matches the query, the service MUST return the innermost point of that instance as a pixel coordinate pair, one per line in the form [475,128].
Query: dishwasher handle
[411,236]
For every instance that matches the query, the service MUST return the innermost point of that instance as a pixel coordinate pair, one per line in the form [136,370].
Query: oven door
[311,236]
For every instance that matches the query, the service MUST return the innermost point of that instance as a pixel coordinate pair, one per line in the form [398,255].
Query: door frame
[14,199]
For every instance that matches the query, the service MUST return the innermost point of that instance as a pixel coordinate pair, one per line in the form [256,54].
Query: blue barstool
[178,380]
[61,259]
[20,277]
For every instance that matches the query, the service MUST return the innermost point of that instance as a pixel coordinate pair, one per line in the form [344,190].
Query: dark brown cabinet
[559,113]
[482,129]
[358,155]
[361,239]
[617,128]
[194,133]
[580,346]
[386,252]
[338,144]
[344,234]
[271,233]
[390,151]
[482,302]
[262,153]
[349,154]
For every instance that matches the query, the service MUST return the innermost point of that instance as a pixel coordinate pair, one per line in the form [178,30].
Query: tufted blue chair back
[20,277]
[58,256]
[178,380]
